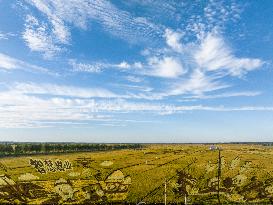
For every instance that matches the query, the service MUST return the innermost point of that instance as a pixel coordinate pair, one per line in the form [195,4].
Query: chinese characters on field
[47,165]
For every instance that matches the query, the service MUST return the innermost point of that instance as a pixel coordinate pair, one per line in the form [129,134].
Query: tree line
[15,149]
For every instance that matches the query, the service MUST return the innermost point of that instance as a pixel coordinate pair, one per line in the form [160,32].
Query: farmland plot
[190,173]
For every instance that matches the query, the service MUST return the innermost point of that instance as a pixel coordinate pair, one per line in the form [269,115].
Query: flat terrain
[190,173]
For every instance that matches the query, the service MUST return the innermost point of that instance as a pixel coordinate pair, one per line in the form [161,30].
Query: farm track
[171,161]
[138,164]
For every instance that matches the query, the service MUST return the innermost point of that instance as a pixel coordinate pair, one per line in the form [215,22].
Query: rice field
[183,173]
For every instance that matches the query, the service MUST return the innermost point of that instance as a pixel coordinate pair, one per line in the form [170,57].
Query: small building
[213,147]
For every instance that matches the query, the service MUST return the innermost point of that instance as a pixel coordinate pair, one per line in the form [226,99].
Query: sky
[136,71]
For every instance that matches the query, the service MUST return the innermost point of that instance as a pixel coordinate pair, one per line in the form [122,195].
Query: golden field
[190,172]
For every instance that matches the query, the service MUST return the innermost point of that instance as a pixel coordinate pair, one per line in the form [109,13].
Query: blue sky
[136,71]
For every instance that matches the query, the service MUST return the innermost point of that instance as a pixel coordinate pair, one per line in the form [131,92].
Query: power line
[166,181]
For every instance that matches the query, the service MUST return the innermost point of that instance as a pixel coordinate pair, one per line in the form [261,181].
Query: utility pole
[219,174]
[165,193]
[219,171]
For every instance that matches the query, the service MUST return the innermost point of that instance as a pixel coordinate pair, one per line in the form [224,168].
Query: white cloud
[219,12]
[5,36]
[198,83]
[59,29]
[123,65]
[61,90]
[134,79]
[120,23]
[18,109]
[196,71]
[38,38]
[138,65]
[213,15]
[55,90]
[206,63]
[226,95]
[10,63]
[166,67]
[42,105]
[141,88]
[173,40]
[214,55]
[84,67]
[97,67]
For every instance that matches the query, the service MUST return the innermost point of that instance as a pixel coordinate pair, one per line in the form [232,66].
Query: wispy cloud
[61,90]
[134,79]
[21,110]
[200,66]
[61,15]
[128,87]
[192,17]
[166,67]
[30,105]
[217,13]
[198,83]
[162,67]
[226,95]
[213,15]
[85,67]
[3,36]
[10,63]
[38,37]
[98,67]
[214,54]
[123,65]
[6,36]
[56,90]
[173,40]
